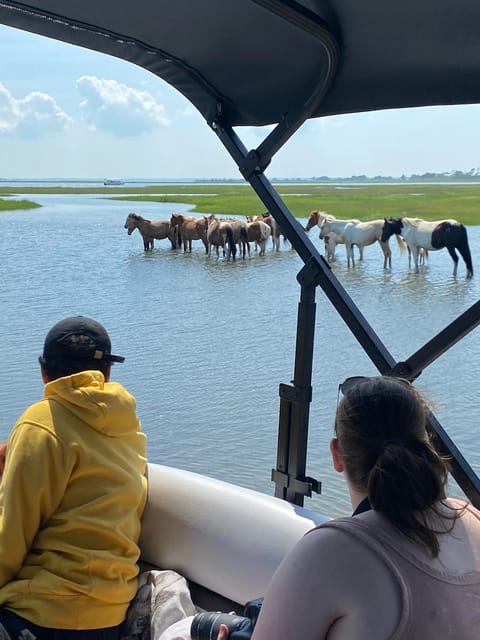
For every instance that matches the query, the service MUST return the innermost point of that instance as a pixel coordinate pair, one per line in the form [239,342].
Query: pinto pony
[188,229]
[220,234]
[259,232]
[151,230]
[275,230]
[240,235]
[430,236]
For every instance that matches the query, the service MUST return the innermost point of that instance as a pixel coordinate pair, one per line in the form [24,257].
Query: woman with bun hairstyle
[406,565]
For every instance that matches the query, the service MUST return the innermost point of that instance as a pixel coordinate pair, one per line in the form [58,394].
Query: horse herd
[415,235]
[216,233]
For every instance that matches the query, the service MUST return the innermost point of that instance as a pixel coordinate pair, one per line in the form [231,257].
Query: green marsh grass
[364,201]
[13,205]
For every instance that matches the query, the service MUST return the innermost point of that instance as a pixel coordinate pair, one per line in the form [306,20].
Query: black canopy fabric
[254,62]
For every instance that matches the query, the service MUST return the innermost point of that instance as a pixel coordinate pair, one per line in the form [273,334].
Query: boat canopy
[255,60]
[281,62]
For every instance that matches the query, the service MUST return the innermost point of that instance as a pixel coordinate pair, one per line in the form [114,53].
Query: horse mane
[139,218]
[402,245]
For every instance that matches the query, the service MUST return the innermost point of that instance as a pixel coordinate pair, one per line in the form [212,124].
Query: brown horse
[150,230]
[188,229]
[275,229]
[240,234]
[259,232]
[220,234]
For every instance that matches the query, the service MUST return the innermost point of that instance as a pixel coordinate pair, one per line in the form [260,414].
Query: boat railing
[291,480]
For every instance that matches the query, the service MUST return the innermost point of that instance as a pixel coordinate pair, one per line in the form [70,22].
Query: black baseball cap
[56,344]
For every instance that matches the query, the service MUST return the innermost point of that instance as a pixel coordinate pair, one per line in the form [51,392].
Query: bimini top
[256,62]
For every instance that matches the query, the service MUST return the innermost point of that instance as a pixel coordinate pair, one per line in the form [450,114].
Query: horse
[330,240]
[361,234]
[275,230]
[431,236]
[188,229]
[151,230]
[220,234]
[240,234]
[259,232]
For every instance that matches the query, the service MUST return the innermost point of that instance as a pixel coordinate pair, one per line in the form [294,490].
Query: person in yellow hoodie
[71,496]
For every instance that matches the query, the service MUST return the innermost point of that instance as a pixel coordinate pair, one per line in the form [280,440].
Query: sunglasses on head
[353,381]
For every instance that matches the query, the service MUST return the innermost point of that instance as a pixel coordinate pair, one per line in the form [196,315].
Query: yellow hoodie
[71,499]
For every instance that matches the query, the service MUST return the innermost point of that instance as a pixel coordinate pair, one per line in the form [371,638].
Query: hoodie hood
[107,407]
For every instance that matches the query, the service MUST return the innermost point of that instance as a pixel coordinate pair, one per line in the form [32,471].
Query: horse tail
[402,245]
[231,242]
[244,239]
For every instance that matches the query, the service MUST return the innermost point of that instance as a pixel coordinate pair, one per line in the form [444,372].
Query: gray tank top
[435,605]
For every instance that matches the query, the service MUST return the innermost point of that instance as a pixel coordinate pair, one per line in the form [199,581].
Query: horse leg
[331,249]
[453,254]
[352,255]
[414,251]
[387,254]
[349,249]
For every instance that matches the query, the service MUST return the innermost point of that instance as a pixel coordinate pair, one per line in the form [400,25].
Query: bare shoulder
[330,580]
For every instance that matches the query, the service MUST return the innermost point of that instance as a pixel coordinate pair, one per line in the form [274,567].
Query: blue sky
[70,113]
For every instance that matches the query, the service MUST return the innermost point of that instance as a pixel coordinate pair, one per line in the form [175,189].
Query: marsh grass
[12,205]
[366,202]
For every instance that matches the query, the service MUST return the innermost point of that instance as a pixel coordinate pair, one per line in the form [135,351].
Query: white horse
[332,239]
[422,235]
[361,234]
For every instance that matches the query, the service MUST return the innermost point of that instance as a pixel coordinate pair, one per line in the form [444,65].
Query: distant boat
[108,182]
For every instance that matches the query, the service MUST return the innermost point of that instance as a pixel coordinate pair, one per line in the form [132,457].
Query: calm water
[207,342]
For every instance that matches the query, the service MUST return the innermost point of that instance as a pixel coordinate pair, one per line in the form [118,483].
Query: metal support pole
[290,480]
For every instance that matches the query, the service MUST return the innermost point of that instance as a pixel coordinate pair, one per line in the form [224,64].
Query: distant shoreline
[428,178]
[365,201]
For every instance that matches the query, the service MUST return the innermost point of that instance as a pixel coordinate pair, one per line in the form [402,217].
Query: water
[208,342]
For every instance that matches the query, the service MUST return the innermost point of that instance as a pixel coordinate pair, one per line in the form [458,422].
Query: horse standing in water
[275,229]
[240,235]
[220,234]
[331,239]
[362,234]
[431,236]
[151,230]
[188,228]
[259,232]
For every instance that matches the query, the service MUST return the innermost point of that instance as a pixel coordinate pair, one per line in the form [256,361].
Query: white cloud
[32,117]
[111,106]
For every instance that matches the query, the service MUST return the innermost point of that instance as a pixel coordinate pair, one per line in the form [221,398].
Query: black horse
[431,236]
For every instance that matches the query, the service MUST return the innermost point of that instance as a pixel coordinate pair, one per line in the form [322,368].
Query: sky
[66,112]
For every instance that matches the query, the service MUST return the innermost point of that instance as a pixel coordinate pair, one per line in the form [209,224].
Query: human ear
[336,454]
[44,375]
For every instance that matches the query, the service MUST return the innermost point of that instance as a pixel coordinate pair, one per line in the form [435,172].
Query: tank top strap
[362,532]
